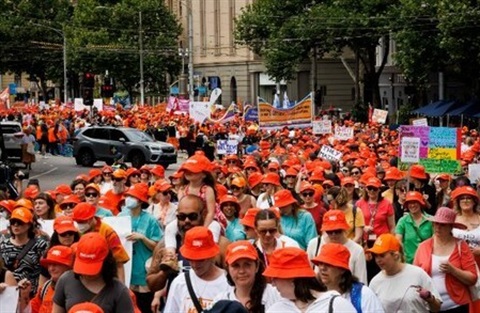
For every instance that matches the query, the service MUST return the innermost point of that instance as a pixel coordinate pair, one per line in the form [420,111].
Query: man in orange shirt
[84,215]
[116,194]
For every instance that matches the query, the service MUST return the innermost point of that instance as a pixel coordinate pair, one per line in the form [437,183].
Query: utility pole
[190,50]
[140,43]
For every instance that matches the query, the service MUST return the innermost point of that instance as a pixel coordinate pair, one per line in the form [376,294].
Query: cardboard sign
[329,153]
[410,151]
[9,299]
[474,172]
[322,127]
[343,133]
[200,111]
[379,116]
[420,122]
[227,147]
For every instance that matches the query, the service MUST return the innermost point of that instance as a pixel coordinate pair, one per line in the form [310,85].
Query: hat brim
[47,262]
[378,250]
[240,256]
[336,226]
[454,225]
[198,254]
[268,181]
[288,273]
[191,168]
[87,268]
[62,230]
[330,261]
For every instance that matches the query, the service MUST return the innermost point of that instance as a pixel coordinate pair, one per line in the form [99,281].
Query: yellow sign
[299,116]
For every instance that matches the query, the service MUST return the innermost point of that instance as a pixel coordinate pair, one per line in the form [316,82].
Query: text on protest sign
[322,127]
[410,150]
[420,122]
[379,116]
[329,153]
[343,133]
[227,147]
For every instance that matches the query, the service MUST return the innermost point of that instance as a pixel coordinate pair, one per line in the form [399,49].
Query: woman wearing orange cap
[58,260]
[231,209]
[294,278]
[419,182]
[401,287]
[271,184]
[244,275]
[93,279]
[443,191]
[238,186]
[22,229]
[413,228]
[334,272]
[161,206]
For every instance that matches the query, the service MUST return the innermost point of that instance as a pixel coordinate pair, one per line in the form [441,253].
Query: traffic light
[87,95]
[88,80]
[107,91]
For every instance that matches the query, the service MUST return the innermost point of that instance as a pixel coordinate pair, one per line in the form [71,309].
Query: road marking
[45,173]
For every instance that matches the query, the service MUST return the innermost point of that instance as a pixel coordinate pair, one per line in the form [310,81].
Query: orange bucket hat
[59,254]
[334,220]
[86,307]
[333,254]
[284,198]
[418,171]
[414,196]
[254,179]
[249,217]
[271,178]
[158,170]
[139,191]
[199,244]
[290,262]
[464,191]
[197,164]
[92,249]
[83,212]
[94,173]
[373,182]
[242,249]
[63,189]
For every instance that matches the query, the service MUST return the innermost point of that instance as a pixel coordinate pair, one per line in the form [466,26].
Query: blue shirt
[235,231]
[146,225]
[301,228]
[101,212]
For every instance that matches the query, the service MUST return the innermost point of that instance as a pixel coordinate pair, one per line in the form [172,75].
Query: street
[57,170]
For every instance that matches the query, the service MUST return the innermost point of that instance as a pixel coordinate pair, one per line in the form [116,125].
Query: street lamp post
[140,43]
[65,81]
[190,49]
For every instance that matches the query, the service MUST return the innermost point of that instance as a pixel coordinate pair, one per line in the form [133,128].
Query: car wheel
[109,162]
[137,159]
[86,158]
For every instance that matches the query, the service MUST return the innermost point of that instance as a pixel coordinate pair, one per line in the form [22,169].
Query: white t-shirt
[270,296]
[398,292]
[282,242]
[370,302]
[179,299]
[320,305]
[171,231]
[357,264]
[263,203]
[171,215]
[438,278]
[105,187]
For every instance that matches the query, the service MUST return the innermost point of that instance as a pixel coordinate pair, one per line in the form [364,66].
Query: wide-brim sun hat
[445,215]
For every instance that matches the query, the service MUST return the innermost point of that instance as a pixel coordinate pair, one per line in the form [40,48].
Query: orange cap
[22,214]
[94,173]
[158,170]
[418,171]
[444,177]
[348,181]
[9,205]
[119,173]
[304,186]
[239,250]
[24,203]
[290,262]
[465,191]
[284,198]
[229,198]
[199,244]
[139,191]
[161,185]
[273,166]
[83,212]
[106,203]
[177,174]
[385,243]
[239,182]
[254,179]
[197,164]
[333,254]
[334,220]
[59,254]
[414,196]
[31,192]
[271,178]
[373,182]
[63,224]
[92,249]
[71,199]
[93,186]
[86,307]
[249,217]
[63,189]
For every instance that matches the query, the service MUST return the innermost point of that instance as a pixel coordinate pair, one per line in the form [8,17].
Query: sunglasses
[334,232]
[107,173]
[235,188]
[16,223]
[370,188]
[272,170]
[145,172]
[308,194]
[67,234]
[231,162]
[117,179]
[135,175]
[356,173]
[271,231]
[465,198]
[345,170]
[349,186]
[91,194]
[191,216]
[67,206]
[166,193]
[402,190]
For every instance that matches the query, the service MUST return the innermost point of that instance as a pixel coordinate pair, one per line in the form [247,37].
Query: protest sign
[123,227]
[9,299]
[329,153]
[251,114]
[199,111]
[410,150]
[379,116]
[98,103]
[420,122]
[226,147]
[3,223]
[322,127]
[343,133]
[300,115]
[474,172]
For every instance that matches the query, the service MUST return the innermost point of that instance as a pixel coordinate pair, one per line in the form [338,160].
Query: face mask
[130,203]
[83,227]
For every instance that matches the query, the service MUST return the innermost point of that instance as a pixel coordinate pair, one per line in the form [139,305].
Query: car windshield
[136,135]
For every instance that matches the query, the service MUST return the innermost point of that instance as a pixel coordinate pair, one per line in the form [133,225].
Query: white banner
[343,133]
[9,299]
[329,153]
[226,147]
[420,122]
[322,127]
[379,116]
[410,150]
[473,172]
[199,111]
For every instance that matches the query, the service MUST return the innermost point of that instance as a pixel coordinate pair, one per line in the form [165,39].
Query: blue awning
[429,107]
[437,108]
[471,108]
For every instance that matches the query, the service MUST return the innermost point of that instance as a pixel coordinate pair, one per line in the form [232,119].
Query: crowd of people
[274,228]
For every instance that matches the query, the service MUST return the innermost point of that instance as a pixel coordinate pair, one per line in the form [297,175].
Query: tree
[32,40]
[106,38]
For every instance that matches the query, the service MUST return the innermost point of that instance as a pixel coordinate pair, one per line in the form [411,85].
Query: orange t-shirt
[44,305]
